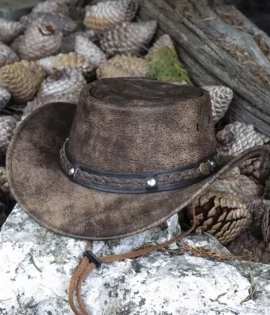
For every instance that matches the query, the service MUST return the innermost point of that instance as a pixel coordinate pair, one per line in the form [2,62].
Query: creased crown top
[123,92]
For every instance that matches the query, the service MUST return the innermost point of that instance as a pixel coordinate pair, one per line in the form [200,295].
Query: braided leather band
[135,183]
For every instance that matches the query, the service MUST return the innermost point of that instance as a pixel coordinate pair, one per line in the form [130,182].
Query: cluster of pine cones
[236,209]
[51,53]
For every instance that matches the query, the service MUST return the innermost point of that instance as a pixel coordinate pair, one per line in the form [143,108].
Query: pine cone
[128,37]
[89,51]
[51,6]
[9,30]
[123,66]
[15,110]
[266,194]
[237,137]
[43,100]
[22,79]
[237,185]
[7,55]
[260,209]
[76,13]
[221,98]
[250,248]
[222,216]
[71,2]
[91,35]
[38,41]
[164,40]
[266,221]
[64,81]
[258,168]
[4,181]
[7,125]
[4,97]
[65,60]
[68,42]
[61,22]
[36,70]
[106,15]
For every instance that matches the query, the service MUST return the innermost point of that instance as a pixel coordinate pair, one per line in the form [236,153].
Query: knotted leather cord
[86,267]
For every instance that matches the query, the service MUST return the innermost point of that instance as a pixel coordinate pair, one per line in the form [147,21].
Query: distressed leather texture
[139,125]
[111,133]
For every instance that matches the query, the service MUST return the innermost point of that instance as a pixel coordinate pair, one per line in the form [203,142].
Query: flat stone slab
[36,266]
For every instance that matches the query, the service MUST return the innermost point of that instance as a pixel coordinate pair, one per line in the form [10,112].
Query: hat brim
[66,208]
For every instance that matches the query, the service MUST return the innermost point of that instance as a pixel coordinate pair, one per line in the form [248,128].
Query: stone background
[160,283]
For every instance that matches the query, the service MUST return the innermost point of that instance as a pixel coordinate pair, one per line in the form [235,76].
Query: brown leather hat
[136,152]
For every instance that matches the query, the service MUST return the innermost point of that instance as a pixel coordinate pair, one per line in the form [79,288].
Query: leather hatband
[136,183]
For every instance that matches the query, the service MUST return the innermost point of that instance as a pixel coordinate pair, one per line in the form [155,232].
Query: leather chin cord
[90,263]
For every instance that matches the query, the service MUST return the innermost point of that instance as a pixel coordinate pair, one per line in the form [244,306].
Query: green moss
[80,25]
[165,66]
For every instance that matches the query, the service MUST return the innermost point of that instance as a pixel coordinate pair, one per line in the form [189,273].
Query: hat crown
[132,125]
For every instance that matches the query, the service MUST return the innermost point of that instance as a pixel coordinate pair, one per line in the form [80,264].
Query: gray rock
[36,266]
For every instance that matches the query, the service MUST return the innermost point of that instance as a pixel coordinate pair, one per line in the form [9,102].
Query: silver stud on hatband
[71,171]
[151,182]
